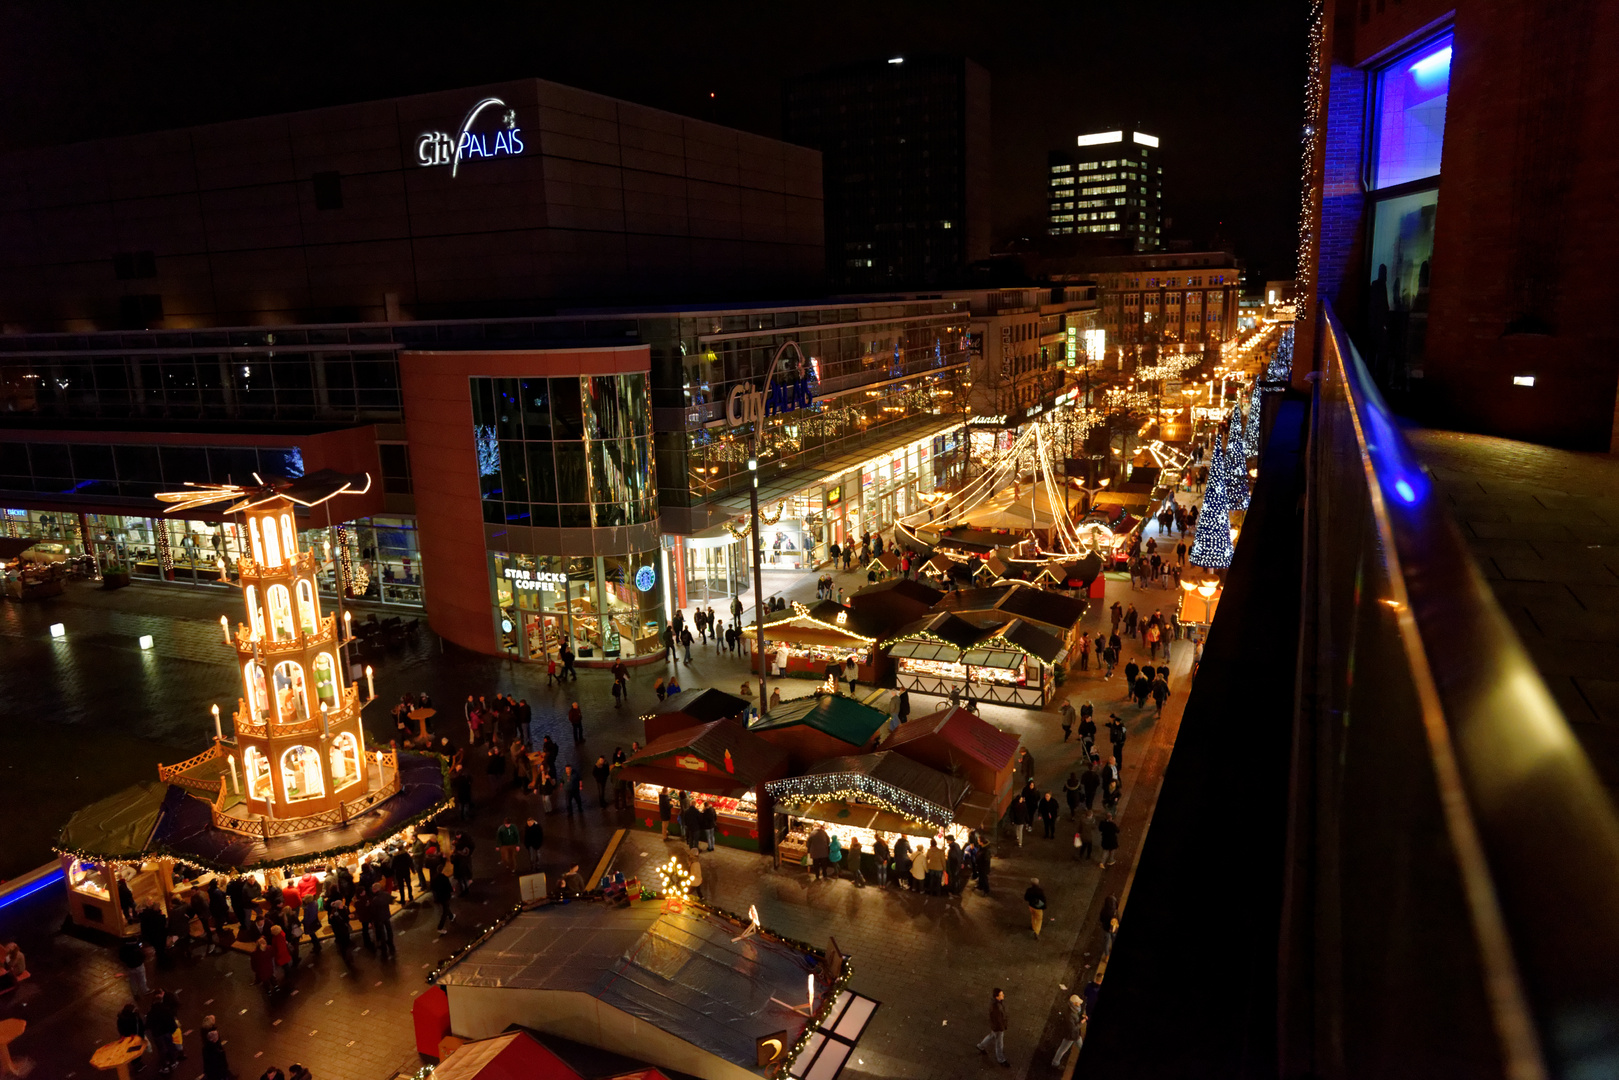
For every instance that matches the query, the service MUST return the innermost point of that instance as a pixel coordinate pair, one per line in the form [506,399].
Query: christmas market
[1057,614]
[689,988]
[821,726]
[722,764]
[865,796]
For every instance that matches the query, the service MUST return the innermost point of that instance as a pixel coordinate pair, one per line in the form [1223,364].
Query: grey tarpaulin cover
[677,970]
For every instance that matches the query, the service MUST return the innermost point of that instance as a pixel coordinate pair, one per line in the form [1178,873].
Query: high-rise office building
[906,156]
[1111,184]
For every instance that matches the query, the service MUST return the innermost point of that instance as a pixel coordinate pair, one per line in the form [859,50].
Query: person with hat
[1075,1035]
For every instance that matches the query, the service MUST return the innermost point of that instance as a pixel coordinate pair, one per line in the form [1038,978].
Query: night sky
[1220,84]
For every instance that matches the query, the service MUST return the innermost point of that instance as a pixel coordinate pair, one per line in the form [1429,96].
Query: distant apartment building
[1026,346]
[905,147]
[1166,299]
[1110,184]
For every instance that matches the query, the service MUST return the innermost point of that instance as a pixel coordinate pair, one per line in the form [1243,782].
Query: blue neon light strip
[54,877]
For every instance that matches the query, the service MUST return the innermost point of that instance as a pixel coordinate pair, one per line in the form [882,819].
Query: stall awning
[119,826]
[884,780]
[690,708]
[917,649]
[992,658]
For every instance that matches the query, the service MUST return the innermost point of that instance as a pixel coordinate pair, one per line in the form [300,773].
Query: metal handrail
[1535,836]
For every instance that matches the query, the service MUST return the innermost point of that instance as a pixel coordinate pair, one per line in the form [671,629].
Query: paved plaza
[96,713]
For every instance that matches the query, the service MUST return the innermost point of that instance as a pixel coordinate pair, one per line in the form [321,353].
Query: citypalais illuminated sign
[744,404]
[442,148]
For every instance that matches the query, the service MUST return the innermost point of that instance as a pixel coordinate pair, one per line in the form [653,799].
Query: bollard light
[58,630]
[146,641]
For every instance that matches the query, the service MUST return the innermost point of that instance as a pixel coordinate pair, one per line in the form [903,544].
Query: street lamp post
[753,512]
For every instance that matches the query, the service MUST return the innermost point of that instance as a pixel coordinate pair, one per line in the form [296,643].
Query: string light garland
[345,561]
[801,614]
[1310,153]
[165,555]
[868,790]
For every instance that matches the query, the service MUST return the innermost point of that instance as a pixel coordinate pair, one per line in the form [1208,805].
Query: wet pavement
[94,713]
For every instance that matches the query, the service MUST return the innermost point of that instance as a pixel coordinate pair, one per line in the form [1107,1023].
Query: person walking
[1071,793]
[1084,829]
[1047,809]
[1035,897]
[879,854]
[1109,922]
[573,790]
[163,1031]
[1068,717]
[461,863]
[132,955]
[1160,693]
[665,811]
[1110,840]
[600,772]
[1019,815]
[576,718]
[440,887]
[686,642]
[382,920]
[997,1028]
[1116,734]
[1087,728]
[1111,785]
[1075,1035]
[506,838]
[981,866]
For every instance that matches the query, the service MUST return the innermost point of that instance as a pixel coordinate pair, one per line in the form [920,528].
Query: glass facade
[136,471]
[874,374]
[383,549]
[605,606]
[565,453]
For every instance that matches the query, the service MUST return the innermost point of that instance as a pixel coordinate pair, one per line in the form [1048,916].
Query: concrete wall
[608,200]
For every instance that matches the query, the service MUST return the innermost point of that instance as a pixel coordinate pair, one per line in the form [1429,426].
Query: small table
[10,1030]
[421,716]
[118,1055]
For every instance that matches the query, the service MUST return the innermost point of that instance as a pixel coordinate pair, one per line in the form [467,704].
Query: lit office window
[1410,114]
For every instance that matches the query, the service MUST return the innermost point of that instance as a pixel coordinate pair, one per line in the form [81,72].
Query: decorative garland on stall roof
[843,787]
[801,612]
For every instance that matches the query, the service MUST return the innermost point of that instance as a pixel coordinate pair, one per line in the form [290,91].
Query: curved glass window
[567,452]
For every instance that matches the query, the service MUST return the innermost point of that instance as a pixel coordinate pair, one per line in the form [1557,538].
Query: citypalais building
[406,288]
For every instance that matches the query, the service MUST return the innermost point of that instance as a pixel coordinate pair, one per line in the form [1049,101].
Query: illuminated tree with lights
[1235,461]
[1250,431]
[1211,544]
[1234,436]
[1281,361]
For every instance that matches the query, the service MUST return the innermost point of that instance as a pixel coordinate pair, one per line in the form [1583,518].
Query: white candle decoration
[370,689]
[218,732]
[224,628]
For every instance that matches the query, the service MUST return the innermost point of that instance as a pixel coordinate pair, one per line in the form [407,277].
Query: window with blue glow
[1410,114]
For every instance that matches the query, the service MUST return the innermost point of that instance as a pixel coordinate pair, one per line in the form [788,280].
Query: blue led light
[54,877]
[1432,70]
[1403,489]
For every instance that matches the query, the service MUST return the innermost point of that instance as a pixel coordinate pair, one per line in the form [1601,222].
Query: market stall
[864,796]
[807,639]
[719,762]
[692,708]
[1055,613]
[887,605]
[956,742]
[32,568]
[948,656]
[821,726]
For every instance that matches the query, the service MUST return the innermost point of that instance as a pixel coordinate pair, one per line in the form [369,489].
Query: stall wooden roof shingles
[689,708]
[820,726]
[955,741]
[753,760]
[1016,600]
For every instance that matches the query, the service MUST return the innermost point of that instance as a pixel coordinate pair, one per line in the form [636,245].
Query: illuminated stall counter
[949,657]
[861,796]
[808,638]
[721,760]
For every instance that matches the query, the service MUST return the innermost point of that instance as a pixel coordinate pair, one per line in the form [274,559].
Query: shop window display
[258,774]
[606,607]
[291,704]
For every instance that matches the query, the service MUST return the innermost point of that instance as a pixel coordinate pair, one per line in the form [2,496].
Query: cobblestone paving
[1543,525]
[92,712]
